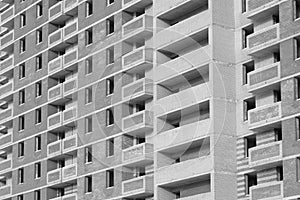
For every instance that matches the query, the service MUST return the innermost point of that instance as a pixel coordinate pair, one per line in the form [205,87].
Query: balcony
[54,176]
[272,190]
[264,76]
[69,143]
[141,57]
[7,64]
[206,196]
[138,28]
[5,140]
[139,90]
[55,38]
[5,191]
[138,187]
[264,115]
[70,86]
[264,38]
[55,120]
[132,5]
[55,65]
[266,154]
[69,115]
[5,165]
[55,93]
[182,135]
[257,6]
[7,39]
[69,172]
[137,155]
[6,115]
[188,169]
[6,89]
[70,29]
[7,15]
[70,57]
[54,148]
[70,4]
[55,11]
[138,122]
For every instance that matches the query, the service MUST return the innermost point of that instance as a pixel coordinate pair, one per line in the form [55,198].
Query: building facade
[149,99]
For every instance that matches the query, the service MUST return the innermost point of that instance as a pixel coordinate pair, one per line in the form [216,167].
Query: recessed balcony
[69,172]
[69,115]
[70,86]
[138,155]
[5,140]
[141,58]
[264,115]
[55,93]
[7,39]
[69,143]
[139,90]
[55,120]
[55,38]
[5,165]
[60,175]
[264,77]
[70,57]
[258,6]
[54,176]
[138,28]
[57,13]
[138,187]
[7,15]
[55,65]
[271,190]
[54,148]
[7,64]
[134,5]
[138,122]
[5,191]
[6,115]
[6,90]
[266,154]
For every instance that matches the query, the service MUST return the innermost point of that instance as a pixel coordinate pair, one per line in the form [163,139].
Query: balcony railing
[5,140]
[6,89]
[6,115]
[5,191]
[272,190]
[136,3]
[70,4]
[55,120]
[66,197]
[54,176]
[139,27]
[263,38]
[265,154]
[55,37]
[70,57]
[69,143]
[7,39]
[54,148]
[7,64]
[264,114]
[55,93]
[55,65]
[7,15]
[264,76]
[139,57]
[206,196]
[256,6]
[138,186]
[69,115]
[70,29]
[70,86]
[5,165]
[142,153]
[138,122]
[56,10]
[69,172]
[141,89]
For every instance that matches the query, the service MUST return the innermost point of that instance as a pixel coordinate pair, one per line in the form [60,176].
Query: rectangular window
[110,146]
[250,180]
[39,36]
[276,56]
[88,8]
[279,171]
[38,143]
[22,71]
[22,20]
[21,149]
[247,68]
[88,66]
[39,10]
[278,134]
[21,97]
[88,186]
[110,86]
[249,142]
[297,128]
[109,117]
[37,170]
[249,104]
[277,95]
[20,197]
[246,31]
[110,178]
[21,123]
[275,19]
[296,48]
[88,95]
[38,62]
[20,176]
[89,36]
[110,25]
[88,124]
[110,56]
[38,116]
[38,89]
[37,195]
[298,169]
[109,2]
[22,45]
[244,6]
[88,154]
[296,9]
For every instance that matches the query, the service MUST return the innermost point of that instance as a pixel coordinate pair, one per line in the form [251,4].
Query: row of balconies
[61,175]
[62,118]
[63,89]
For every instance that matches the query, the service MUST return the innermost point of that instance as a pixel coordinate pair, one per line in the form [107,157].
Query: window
[89,36]
[20,176]
[248,105]
[39,36]
[37,195]
[88,8]
[38,89]
[88,66]
[277,95]
[22,45]
[88,95]
[110,178]
[278,134]
[297,128]
[296,48]
[21,123]
[109,2]
[249,142]
[88,184]
[245,33]
[110,25]
[276,56]
[88,154]
[110,86]
[296,9]
[275,19]
[38,62]
[247,68]
[298,169]
[88,124]
[297,87]
[38,143]
[20,197]
[250,180]
[279,172]
[139,171]
[21,71]
[110,56]
[37,170]
[110,147]
[21,149]
[39,10]
[109,117]
[22,20]
[21,97]
[244,6]
[38,116]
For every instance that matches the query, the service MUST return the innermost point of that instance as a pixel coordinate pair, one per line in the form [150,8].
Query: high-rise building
[149,99]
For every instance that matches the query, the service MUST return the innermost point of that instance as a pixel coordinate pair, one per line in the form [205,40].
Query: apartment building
[149,99]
